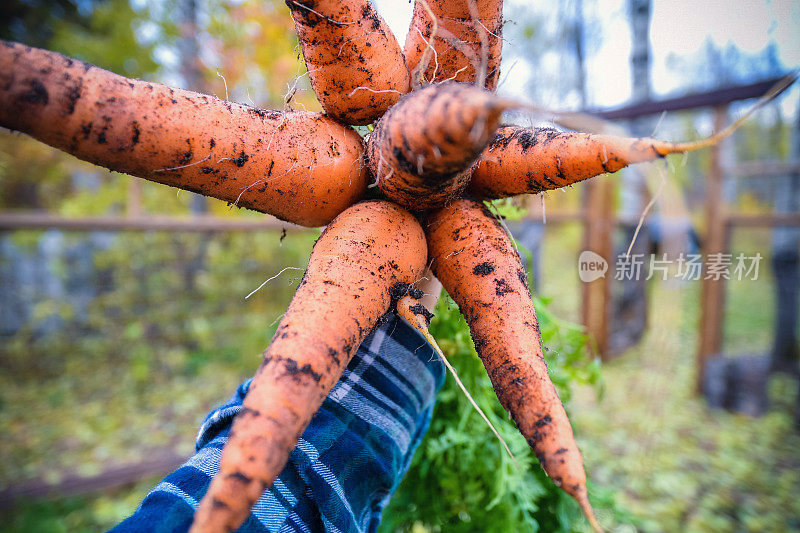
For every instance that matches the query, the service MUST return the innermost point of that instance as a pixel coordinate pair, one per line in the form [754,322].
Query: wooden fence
[598,217]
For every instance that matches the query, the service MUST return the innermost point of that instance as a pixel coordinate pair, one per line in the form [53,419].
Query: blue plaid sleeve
[347,463]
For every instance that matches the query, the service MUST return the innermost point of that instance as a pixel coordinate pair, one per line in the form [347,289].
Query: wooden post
[598,238]
[712,303]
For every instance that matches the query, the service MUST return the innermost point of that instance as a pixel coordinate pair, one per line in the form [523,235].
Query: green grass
[675,464]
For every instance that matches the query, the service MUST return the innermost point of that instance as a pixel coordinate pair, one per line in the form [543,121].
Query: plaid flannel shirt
[347,463]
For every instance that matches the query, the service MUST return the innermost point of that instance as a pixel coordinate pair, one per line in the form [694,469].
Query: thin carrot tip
[586,507]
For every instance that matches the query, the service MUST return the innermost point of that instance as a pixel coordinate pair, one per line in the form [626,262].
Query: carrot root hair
[418,322]
[418,75]
[588,512]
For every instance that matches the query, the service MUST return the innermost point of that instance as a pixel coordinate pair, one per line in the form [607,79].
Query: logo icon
[591,266]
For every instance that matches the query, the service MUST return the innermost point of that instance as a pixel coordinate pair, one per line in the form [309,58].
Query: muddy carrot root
[477,264]
[368,249]
[356,66]
[299,166]
[531,160]
[421,150]
[446,41]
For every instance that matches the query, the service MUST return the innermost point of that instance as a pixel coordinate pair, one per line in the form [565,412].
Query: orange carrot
[477,264]
[299,166]
[354,60]
[459,41]
[421,164]
[530,160]
[361,255]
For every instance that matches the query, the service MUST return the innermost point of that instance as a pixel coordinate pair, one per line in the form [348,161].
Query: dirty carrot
[530,160]
[476,262]
[299,166]
[459,41]
[366,251]
[421,164]
[356,66]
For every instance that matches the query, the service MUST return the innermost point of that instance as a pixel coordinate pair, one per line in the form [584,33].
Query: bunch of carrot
[435,152]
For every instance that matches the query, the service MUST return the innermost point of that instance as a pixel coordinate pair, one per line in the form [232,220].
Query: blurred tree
[551,41]
[114,39]
[34,21]
[260,55]
[640,12]
[629,305]
[714,66]
[31,174]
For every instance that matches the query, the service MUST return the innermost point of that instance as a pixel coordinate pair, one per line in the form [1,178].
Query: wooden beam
[735,220]
[200,224]
[557,217]
[74,485]
[716,98]
[712,303]
[769,221]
